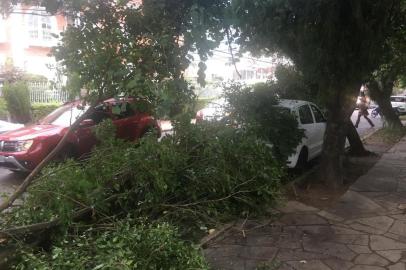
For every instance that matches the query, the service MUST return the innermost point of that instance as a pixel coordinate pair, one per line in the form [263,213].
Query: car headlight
[24,145]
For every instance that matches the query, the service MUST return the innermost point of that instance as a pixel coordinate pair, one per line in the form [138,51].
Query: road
[364,128]
[9,180]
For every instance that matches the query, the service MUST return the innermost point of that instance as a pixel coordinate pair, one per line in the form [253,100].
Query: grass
[390,135]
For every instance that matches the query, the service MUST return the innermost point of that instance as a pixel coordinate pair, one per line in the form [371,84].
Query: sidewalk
[365,230]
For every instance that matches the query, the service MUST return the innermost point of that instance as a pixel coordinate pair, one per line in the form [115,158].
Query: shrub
[17,97]
[255,110]
[200,176]
[40,110]
[122,246]
[3,109]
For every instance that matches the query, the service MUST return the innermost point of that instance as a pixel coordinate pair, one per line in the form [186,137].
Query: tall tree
[336,44]
[293,85]
[383,79]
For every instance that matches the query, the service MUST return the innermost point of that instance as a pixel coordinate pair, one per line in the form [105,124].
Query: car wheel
[20,174]
[302,160]
[67,152]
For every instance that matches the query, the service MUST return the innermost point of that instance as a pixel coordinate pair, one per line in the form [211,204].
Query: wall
[26,39]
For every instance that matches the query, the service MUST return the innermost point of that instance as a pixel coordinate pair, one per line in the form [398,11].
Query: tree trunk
[391,118]
[340,106]
[356,146]
[381,91]
[333,153]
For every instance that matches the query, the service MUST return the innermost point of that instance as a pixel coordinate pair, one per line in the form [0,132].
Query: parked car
[311,119]
[214,110]
[399,103]
[23,149]
[7,126]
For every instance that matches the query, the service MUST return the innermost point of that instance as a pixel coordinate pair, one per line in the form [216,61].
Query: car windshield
[64,116]
[397,99]
[219,103]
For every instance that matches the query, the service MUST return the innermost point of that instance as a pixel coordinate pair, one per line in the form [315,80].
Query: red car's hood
[31,132]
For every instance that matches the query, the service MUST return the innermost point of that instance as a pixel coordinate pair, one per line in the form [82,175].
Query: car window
[122,110]
[318,116]
[64,116]
[305,115]
[397,99]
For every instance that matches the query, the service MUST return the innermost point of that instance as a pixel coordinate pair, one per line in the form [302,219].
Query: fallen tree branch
[28,180]
[32,228]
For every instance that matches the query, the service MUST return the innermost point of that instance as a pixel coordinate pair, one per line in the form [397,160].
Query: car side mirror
[87,123]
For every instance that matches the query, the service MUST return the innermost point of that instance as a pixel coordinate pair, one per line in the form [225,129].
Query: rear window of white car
[398,99]
[305,115]
[318,115]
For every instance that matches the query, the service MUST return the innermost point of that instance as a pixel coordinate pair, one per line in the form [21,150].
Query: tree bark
[333,153]
[340,105]
[27,181]
[356,146]
[381,91]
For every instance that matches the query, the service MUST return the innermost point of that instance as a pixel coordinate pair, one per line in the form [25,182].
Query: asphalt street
[364,128]
[9,181]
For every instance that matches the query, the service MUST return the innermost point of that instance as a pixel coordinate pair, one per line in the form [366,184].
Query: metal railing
[45,92]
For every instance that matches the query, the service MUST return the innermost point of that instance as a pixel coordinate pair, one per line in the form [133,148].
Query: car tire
[302,160]
[67,152]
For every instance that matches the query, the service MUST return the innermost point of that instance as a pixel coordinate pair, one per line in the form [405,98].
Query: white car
[312,121]
[213,111]
[309,117]
[399,102]
[7,126]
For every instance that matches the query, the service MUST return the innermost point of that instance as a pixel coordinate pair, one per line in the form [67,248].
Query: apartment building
[26,38]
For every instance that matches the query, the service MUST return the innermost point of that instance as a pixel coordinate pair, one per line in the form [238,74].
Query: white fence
[45,92]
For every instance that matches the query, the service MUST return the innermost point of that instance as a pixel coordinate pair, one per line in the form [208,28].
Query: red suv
[24,148]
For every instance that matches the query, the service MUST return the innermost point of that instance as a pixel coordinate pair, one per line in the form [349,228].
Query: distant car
[214,111]
[7,126]
[373,105]
[311,119]
[399,102]
[24,148]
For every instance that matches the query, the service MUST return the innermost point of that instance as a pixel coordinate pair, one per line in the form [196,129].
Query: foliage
[291,84]
[3,109]
[188,178]
[40,110]
[17,97]
[256,110]
[119,47]
[390,135]
[122,245]
[335,44]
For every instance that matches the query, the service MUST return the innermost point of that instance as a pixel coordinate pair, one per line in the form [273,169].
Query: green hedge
[17,97]
[40,110]
[3,109]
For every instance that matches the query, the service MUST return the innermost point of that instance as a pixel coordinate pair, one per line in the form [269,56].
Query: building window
[39,26]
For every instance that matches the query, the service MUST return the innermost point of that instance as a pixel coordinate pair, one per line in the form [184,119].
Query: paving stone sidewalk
[365,230]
